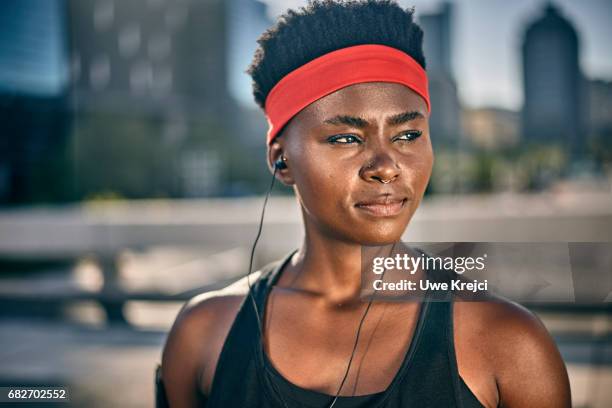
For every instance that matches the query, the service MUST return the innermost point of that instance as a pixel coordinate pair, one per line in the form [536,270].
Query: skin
[504,353]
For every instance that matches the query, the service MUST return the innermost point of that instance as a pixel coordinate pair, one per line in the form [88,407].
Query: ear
[275,152]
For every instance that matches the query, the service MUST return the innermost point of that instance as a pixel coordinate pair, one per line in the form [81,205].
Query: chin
[379,236]
[379,242]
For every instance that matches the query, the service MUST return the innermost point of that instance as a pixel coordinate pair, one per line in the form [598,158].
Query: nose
[382,169]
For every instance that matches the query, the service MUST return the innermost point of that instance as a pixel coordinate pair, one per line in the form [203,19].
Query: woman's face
[342,147]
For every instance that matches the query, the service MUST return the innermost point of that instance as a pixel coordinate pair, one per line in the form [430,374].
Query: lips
[383,206]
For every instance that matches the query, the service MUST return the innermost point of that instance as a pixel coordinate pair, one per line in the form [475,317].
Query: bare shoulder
[195,340]
[517,351]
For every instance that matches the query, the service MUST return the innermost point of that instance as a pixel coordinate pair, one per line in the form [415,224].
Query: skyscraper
[158,64]
[33,104]
[144,55]
[553,109]
[444,125]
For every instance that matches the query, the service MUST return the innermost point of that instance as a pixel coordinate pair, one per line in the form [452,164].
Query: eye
[343,139]
[409,136]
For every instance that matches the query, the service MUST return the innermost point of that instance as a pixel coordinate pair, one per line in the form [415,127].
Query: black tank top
[427,377]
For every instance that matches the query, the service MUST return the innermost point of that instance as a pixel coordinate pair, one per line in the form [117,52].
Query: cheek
[424,171]
[322,183]
[421,165]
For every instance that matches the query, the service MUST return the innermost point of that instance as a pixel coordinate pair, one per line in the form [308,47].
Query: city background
[132,170]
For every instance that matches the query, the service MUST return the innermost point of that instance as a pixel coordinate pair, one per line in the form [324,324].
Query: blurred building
[491,128]
[143,108]
[553,109]
[166,63]
[247,20]
[34,118]
[600,123]
[144,55]
[445,123]
[600,108]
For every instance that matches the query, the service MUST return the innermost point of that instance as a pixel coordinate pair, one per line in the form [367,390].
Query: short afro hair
[324,26]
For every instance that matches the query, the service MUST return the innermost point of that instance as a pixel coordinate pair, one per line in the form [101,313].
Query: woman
[344,89]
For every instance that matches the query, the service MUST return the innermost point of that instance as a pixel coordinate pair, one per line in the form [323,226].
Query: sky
[487,38]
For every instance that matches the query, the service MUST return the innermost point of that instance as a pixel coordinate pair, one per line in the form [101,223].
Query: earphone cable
[256,309]
[350,361]
[259,318]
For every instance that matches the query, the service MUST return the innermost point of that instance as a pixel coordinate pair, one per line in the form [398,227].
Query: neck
[329,268]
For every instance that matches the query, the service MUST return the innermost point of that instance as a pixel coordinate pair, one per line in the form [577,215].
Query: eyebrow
[404,117]
[361,123]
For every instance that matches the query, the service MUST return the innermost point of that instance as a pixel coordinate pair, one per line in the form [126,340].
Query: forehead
[371,99]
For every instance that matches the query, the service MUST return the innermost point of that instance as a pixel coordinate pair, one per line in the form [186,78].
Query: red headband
[336,70]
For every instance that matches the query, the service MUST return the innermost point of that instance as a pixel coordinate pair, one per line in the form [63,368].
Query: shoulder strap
[235,367]
[434,371]
[268,277]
